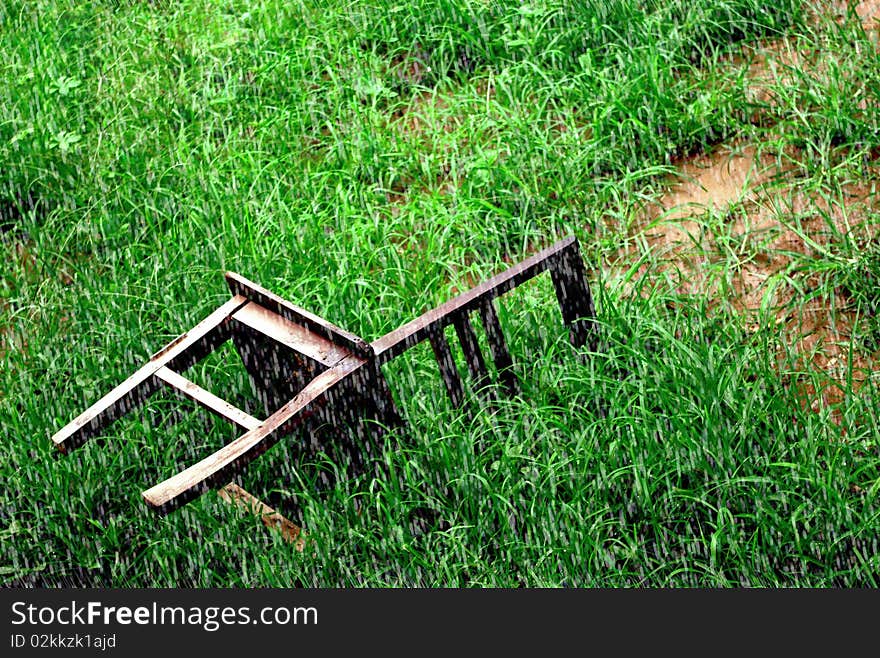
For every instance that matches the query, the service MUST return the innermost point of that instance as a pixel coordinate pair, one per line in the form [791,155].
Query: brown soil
[869,12]
[731,227]
[734,225]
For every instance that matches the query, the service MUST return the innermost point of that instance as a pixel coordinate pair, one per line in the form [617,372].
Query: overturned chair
[306,370]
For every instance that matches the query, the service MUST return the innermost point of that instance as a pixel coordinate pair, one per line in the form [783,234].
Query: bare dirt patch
[869,12]
[423,114]
[737,226]
[734,227]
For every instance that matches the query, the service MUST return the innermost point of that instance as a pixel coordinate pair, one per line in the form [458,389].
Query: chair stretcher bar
[219,467]
[134,391]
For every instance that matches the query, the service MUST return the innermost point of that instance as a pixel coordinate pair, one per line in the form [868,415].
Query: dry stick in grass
[292,533]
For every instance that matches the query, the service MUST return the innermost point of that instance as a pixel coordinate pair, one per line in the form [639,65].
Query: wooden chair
[306,370]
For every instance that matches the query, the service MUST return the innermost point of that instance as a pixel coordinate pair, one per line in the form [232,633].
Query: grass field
[368,160]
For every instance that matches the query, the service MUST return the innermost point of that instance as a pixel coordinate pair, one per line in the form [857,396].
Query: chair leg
[383,400]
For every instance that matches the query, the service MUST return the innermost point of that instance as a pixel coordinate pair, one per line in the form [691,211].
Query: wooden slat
[498,346]
[290,334]
[207,399]
[407,336]
[573,294]
[235,495]
[131,393]
[269,300]
[231,458]
[448,371]
[473,356]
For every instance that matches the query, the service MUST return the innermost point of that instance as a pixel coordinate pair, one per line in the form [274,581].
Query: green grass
[367,161]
